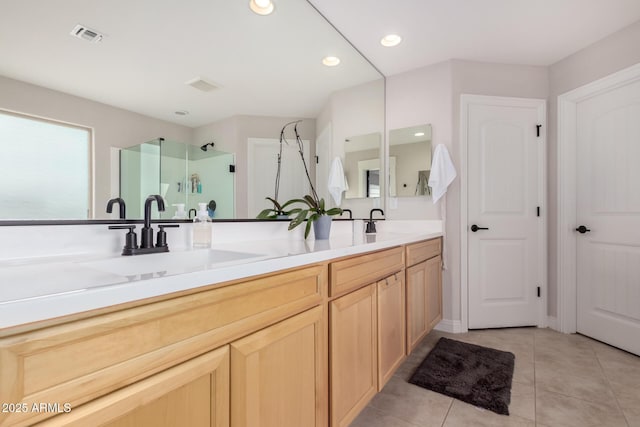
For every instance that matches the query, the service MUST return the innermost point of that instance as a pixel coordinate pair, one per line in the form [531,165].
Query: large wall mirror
[409,161]
[189,73]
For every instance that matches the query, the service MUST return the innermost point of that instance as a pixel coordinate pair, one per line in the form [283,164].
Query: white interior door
[608,204]
[504,182]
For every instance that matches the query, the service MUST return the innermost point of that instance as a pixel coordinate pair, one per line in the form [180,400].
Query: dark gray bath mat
[477,375]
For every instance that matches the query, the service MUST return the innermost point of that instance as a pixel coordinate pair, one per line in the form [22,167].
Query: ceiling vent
[85,33]
[201,84]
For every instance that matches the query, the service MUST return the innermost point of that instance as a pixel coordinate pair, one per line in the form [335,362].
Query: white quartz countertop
[51,287]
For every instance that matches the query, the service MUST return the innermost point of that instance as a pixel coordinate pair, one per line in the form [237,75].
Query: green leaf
[299,219]
[321,205]
[275,204]
[311,202]
[265,214]
[334,211]
[307,228]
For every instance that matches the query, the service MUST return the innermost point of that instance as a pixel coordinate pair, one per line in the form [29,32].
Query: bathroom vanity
[308,343]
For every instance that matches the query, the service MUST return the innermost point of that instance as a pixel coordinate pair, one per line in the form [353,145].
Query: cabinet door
[353,354]
[391,326]
[194,393]
[434,291]
[278,374]
[417,322]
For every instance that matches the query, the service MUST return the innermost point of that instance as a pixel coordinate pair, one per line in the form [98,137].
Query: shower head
[205,147]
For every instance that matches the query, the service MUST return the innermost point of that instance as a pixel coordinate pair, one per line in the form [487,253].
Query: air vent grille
[85,33]
[201,84]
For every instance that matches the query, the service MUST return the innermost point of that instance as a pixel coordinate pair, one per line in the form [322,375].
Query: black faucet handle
[131,239]
[161,238]
[122,227]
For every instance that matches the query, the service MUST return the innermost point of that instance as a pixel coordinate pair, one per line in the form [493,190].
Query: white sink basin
[169,262]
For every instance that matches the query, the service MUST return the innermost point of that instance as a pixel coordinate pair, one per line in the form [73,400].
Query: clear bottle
[180,212]
[202,228]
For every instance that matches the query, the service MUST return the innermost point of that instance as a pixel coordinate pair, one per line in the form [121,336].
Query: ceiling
[528,32]
[263,65]
[271,65]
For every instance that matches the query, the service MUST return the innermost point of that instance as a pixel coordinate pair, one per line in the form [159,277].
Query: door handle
[475,228]
[582,229]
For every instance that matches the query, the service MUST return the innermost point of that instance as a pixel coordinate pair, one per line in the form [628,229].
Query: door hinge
[538,211]
[538,291]
[538,130]
[232,168]
[317,160]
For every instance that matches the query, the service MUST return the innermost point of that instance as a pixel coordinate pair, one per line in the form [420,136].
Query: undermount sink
[169,262]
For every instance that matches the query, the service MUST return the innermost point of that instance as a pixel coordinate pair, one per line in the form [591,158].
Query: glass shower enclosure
[180,173]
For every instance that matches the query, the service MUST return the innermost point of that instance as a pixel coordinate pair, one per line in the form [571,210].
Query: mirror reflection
[267,74]
[409,161]
[362,166]
[184,175]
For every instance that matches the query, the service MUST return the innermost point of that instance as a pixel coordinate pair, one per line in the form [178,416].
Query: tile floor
[559,380]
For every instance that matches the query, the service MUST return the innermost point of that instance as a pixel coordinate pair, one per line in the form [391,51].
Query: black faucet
[195,213]
[121,204]
[347,210]
[147,232]
[146,246]
[371,225]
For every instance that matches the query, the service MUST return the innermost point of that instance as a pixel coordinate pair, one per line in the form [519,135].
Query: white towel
[337,181]
[442,172]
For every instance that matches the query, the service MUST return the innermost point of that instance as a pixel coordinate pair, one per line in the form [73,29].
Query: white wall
[112,127]
[613,53]
[418,97]
[432,95]
[352,112]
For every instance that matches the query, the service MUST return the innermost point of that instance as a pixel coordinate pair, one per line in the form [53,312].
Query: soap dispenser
[202,228]
[180,212]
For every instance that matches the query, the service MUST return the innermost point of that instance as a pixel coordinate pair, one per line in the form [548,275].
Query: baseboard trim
[450,326]
[552,323]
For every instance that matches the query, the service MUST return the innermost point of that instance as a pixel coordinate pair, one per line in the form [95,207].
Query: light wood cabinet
[288,348]
[424,290]
[391,326]
[279,375]
[194,393]
[434,291]
[83,360]
[353,357]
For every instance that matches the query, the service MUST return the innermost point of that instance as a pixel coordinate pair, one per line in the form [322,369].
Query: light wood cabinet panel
[391,326]
[422,251]
[279,374]
[434,291]
[121,348]
[351,273]
[194,394]
[417,323]
[353,354]
[424,299]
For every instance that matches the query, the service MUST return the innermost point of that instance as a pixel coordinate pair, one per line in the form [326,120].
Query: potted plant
[278,211]
[316,214]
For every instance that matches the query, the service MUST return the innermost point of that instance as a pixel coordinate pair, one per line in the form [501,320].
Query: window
[45,169]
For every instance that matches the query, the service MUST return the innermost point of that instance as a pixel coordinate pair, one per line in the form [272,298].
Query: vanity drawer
[422,251]
[79,361]
[360,270]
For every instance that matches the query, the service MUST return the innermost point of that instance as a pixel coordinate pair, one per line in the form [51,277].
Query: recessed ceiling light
[331,61]
[418,134]
[181,113]
[261,7]
[391,40]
